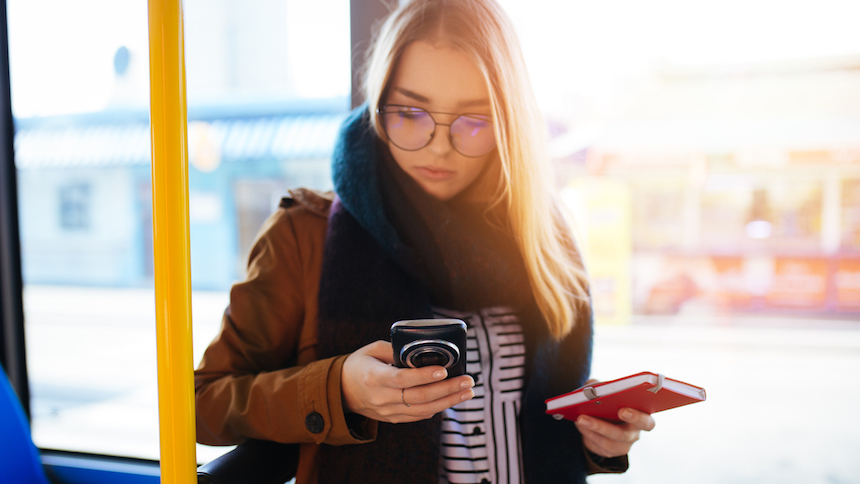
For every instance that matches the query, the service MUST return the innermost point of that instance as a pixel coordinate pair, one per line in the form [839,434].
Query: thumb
[381,350]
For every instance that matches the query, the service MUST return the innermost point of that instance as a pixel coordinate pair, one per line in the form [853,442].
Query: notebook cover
[638,397]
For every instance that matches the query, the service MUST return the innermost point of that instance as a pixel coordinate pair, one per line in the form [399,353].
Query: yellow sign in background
[604,220]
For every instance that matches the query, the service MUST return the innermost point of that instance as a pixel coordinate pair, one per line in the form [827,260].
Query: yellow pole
[168,119]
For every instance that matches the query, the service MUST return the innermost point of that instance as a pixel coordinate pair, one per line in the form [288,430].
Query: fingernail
[439,374]
[584,422]
[626,414]
[466,384]
[466,396]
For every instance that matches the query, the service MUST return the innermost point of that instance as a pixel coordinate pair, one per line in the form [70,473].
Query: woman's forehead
[439,77]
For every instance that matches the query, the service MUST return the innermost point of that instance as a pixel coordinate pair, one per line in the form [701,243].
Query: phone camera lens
[429,359]
[430,352]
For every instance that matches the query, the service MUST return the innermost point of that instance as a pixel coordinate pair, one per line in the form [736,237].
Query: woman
[444,208]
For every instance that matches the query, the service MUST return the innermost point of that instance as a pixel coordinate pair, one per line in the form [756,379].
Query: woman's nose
[440,145]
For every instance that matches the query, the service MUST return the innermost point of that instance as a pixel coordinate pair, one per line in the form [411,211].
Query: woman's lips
[435,173]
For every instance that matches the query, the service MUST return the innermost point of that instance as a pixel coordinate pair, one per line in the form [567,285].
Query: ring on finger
[402,399]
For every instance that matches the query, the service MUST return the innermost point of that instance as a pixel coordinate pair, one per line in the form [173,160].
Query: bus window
[710,152]
[268,84]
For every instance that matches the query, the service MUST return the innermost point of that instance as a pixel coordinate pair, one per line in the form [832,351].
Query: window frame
[67,466]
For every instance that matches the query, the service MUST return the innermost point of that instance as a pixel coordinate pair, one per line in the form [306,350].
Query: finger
[381,350]
[396,378]
[426,410]
[412,377]
[638,419]
[434,391]
[595,447]
[601,445]
[393,377]
[617,432]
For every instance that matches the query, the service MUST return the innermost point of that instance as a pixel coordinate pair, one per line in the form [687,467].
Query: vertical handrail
[168,119]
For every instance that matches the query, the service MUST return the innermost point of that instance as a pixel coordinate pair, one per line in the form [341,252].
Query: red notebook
[646,391]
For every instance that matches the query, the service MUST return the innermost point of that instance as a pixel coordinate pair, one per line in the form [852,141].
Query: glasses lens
[408,128]
[472,135]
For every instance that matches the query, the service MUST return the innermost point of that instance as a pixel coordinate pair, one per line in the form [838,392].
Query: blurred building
[85,189]
[743,185]
[267,90]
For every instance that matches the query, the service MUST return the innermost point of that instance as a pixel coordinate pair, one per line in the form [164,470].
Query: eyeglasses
[410,128]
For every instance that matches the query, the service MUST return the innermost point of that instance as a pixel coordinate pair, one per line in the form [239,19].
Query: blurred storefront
[86,189]
[744,189]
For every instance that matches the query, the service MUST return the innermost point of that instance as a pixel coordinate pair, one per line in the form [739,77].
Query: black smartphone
[426,342]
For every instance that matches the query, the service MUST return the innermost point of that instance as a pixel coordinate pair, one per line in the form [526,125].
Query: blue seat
[19,458]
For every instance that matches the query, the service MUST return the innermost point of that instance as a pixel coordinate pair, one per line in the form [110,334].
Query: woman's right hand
[372,387]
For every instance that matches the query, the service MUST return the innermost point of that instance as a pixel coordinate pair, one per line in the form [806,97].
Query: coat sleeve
[249,384]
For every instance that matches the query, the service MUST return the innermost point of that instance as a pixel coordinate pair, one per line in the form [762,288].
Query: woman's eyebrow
[413,95]
[424,99]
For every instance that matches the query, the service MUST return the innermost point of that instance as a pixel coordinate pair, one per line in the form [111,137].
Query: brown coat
[261,377]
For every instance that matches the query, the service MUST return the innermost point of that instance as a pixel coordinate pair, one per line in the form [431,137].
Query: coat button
[314,422]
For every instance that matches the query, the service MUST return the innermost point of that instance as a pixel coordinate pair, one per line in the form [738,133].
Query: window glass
[268,85]
[711,150]
[711,155]
[75,206]
[850,220]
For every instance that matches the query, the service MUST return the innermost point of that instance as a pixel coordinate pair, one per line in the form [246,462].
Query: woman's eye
[475,122]
[412,115]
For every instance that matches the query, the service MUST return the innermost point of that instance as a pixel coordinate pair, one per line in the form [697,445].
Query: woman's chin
[441,195]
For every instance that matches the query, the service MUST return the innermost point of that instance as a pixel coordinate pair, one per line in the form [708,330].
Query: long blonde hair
[521,189]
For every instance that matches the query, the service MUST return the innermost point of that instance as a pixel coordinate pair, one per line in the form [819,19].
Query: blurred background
[709,153]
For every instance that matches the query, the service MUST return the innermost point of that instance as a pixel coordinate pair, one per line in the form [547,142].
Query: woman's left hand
[609,439]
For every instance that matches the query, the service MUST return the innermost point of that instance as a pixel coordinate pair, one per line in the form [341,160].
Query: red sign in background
[846,282]
[802,284]
[798,282]
[731,290]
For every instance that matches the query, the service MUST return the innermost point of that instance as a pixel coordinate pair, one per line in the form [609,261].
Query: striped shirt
[480,437]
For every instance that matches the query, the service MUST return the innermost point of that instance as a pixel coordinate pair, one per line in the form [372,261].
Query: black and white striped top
[480,437]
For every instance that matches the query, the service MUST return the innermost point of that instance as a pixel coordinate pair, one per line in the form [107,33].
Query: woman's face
[439,79]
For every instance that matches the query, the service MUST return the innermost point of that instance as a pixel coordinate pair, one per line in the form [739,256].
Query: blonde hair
[520,191]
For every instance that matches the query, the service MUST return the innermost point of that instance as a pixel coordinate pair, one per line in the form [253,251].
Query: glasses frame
[380,111]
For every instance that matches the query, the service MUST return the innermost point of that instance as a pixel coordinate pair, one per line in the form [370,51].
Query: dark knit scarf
[393,252]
